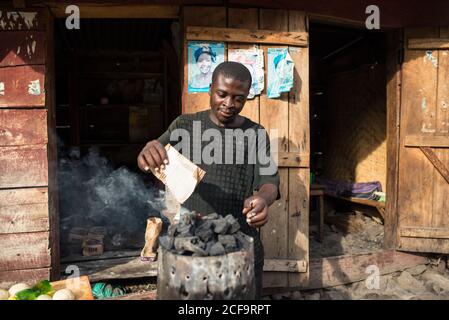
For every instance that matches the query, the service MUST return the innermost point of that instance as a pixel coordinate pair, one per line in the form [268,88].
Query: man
[245,188]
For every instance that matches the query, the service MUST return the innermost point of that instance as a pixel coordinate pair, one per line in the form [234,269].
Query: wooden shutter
[423,183]
[285,237]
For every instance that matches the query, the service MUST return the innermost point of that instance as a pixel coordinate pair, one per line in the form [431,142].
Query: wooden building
[406,97]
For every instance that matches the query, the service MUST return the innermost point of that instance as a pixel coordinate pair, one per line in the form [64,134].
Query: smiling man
[241,187]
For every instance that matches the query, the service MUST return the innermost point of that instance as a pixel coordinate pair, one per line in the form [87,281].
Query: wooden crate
[79,286]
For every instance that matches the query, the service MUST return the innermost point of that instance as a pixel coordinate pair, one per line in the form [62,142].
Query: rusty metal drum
[226,277]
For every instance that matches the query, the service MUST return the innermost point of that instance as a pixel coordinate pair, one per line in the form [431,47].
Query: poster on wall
[203,58]
[253,60]
[280,72]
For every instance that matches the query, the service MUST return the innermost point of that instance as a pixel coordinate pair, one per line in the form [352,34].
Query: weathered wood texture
[274,117]
[286,234]
[22,48]
[432,233]
[334,271]
[22,86]
[30,276]
[25,166]
[117,11]
[23,210]
[121,268]
[252,36]
[428,43]
[24,251]
[292,159]
[393,69]
[53,199]
[299,142]
[285,265]
[22,19]
[23,127]
[423,190]
[437,163]
[426,141]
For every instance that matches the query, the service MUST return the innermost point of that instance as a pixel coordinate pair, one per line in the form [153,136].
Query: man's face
[204,62]
[227,98]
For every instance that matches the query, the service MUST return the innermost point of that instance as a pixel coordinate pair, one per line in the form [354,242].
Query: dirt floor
[351,233]
[346,233]
[423,282]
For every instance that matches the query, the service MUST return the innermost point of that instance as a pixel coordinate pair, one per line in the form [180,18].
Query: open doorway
[348,140]
[117,87]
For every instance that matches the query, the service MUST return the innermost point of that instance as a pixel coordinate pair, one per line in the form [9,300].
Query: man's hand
[153,155]
[256,210]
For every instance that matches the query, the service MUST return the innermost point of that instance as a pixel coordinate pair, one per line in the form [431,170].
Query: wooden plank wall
[286,234]
[24,214]
[299,142]
[422,196]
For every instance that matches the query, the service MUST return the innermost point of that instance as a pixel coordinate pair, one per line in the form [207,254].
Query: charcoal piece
[171,231]
[190,244]
[166,242]
[205,231]
[229,242]
[217,249]
[234,224]
[184,231]
[205,235]
[221,226]
[209,246]
[211,216]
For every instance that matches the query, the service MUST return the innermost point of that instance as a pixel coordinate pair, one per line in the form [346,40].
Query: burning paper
[280,72]
[253,60]
[180,175]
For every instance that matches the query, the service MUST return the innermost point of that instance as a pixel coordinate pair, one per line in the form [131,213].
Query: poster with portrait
[203,58]
[253,60]
[280,72]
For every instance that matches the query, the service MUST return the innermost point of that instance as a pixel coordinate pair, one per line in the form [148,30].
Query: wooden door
[423,182]
[285,237]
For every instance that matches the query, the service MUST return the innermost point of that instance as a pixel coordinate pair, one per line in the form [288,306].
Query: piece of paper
[280,72]
[253,60]
[203,58]
[181,176]
[154,228]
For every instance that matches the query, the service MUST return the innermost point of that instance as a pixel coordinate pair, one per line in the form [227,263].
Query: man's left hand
[256,210]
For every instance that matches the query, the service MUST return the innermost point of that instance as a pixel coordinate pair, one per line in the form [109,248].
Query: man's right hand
[153,155]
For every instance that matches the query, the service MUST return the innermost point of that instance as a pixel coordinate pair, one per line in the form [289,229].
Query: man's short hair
[233,70]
